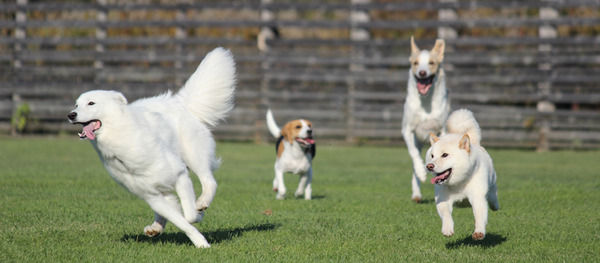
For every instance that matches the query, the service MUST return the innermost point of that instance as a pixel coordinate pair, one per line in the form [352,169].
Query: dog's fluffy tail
[272,125]
[208,93]
[463,122]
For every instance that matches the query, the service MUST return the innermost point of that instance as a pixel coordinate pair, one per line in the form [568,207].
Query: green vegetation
[20,118]
[58,204]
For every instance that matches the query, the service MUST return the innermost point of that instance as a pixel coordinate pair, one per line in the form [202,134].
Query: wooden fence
[527,69]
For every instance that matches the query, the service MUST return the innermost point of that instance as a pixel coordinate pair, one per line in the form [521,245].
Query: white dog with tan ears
[148,145]
[426,107]
[295,151]
[462,168]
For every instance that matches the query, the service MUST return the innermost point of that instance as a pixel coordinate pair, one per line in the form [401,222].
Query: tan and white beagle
[295,150]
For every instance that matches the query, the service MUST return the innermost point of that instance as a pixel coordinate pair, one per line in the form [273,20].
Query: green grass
[57,203]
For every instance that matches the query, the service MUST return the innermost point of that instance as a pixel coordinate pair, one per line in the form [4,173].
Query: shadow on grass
[213,237]
[462,204]
[426,201]
[491,240]
[315,197]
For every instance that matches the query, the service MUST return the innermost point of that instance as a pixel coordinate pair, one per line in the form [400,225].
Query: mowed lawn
[58,204]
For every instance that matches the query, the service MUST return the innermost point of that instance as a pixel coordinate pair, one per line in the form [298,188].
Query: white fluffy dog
[462,169]
[426,107]
[148,145]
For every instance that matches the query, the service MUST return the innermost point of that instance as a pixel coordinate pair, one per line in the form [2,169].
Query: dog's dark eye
[432,156]
[298,127]
[415,63]
[431,63]
[91,103]
[444,155]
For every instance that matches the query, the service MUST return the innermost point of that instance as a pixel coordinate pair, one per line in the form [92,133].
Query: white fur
[272,125]
[294,159]
[147,145]
[423,114]
[472,176]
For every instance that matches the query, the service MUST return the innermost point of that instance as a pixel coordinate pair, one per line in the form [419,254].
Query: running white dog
[295,150]
[147,145]
[462,169]
[426,107]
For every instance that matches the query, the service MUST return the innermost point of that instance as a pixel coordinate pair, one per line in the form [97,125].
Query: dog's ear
[438,50]
[465,143]
[414,50]
[120,97]
[433,138]
[286,132]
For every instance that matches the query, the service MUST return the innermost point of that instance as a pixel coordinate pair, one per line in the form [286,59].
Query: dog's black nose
[430,166]
[422,73]
[309,132]
[72,115]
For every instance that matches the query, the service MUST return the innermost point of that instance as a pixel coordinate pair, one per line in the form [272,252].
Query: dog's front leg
[165,208]
[414,150]
[444,209]
[480,212]
[305,185]
[157,226]
[280,184]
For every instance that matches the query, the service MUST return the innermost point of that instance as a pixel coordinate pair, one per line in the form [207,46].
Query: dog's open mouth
[423,84]
[89,128]
[441,177]
[306,141]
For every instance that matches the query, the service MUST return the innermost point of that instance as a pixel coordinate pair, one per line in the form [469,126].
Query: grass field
[58,204]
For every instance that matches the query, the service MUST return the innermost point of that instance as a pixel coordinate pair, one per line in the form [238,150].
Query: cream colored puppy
[295,150]
[462,168]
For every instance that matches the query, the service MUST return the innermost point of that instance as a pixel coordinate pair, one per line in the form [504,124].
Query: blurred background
[529,70]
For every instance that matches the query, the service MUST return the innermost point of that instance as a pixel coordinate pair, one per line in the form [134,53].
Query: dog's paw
[197,219]
[280,196]
[478,236]
[421,174]
[203,245]
[201,205]
[447,231]
[298,194]
[153,230]
[416,199]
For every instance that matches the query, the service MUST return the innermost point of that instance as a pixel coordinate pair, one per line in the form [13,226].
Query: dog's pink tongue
[435,179]
[309,140]
[440,177]
[423,88]
[88,130]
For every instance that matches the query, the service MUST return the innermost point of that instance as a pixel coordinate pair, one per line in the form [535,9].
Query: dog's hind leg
[492,197]
[185,191]
[209,188]
[199,155]
[164,206]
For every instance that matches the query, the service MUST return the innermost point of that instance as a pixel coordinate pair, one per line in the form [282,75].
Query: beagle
[295,150]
